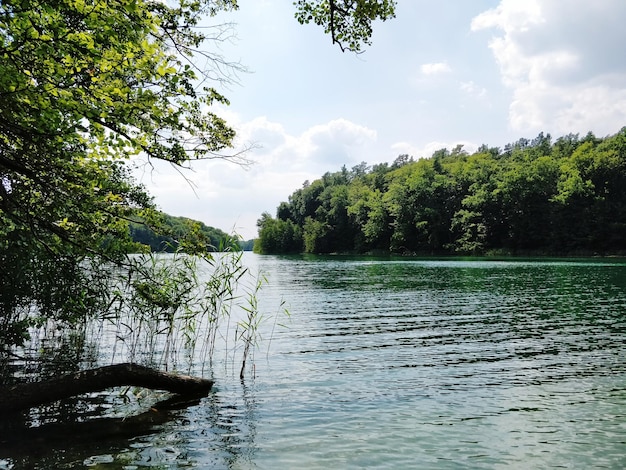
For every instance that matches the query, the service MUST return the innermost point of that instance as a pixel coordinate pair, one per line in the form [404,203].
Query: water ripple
[446,364]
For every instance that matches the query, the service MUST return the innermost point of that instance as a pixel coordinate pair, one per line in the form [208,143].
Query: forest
[532,197]
[167,237]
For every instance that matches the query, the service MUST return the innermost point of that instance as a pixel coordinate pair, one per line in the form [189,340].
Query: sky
[440,74]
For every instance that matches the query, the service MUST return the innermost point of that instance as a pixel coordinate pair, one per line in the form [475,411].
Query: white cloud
[473,90]
[427,150]
[337,142]
[517,15]
[321,147]
[261,132]
[406,148]
[562,62]
[435,68]
[228,196]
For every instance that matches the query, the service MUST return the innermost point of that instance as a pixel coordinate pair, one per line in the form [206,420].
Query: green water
[402,364]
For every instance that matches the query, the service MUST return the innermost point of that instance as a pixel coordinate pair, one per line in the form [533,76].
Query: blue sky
[440,74]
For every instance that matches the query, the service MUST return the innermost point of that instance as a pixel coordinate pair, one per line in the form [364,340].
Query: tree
[526,193]
[369,217]
[537,197]
[315,236]
[422,199]
[478,224]
[177,229]
[84,86]
[349,22]
[277,236]
[23,396]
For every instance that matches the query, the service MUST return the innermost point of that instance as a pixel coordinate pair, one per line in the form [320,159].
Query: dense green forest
[539,196]
[174,229]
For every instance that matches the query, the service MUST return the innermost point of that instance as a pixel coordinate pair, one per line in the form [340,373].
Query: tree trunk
[21,396]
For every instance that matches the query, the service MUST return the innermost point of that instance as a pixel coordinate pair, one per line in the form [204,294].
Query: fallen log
[26,395]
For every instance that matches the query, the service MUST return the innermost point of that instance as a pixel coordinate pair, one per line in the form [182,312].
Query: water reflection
[172,433]
[78,434]
[440,345]
[396,364]
[123,427]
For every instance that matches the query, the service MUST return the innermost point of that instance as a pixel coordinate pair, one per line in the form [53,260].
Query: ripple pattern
[445,364]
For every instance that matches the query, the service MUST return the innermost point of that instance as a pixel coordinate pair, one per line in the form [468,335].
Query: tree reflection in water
[119,427]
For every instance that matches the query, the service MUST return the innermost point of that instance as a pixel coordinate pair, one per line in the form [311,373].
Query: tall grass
[171,310]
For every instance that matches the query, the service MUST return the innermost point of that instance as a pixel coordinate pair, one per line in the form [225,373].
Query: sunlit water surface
[404,364]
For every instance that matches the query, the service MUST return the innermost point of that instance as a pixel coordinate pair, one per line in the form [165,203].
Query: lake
[406,363]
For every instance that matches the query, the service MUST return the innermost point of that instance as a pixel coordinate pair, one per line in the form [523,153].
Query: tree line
[534,196]
[173,231]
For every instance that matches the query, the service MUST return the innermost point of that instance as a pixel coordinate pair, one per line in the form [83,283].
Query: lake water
[402,364]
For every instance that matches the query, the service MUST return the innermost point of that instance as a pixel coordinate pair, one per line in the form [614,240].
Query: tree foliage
[532,196]
[285,236]
[349,22]
[174,232]
[84,85]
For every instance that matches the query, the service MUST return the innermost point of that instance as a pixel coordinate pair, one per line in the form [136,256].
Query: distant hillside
[177,230]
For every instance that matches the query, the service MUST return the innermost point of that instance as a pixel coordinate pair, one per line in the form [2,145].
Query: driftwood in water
[22,396]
